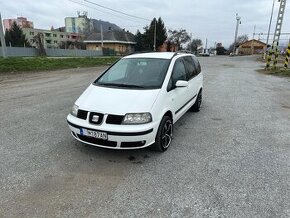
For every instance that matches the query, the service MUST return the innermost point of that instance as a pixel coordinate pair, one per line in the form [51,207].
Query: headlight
[137,118]
[74,110]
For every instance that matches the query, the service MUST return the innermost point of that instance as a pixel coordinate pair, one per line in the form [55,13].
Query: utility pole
[270,23]
[155,34]
[238,18]
[190,44]
[102,38]
[252,44]
[3,44]
[205,50]
[274,49]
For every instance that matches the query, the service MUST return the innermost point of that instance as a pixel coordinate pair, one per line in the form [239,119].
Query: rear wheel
[164,135]
[197,104]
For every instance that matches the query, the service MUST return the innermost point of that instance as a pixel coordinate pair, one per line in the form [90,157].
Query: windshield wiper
[120,85]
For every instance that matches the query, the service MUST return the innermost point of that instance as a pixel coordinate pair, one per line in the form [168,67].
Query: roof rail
[181,52]
[184,51]
[140,52]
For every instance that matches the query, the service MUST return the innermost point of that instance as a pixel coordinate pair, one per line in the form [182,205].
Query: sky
[214,20]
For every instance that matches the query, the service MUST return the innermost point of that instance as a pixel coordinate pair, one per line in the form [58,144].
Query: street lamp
[238,18]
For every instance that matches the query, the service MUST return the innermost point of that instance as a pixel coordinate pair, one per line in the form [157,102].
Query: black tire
[197,104]
[164,135]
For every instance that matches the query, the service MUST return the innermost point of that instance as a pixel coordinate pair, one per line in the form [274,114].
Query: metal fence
[50,52]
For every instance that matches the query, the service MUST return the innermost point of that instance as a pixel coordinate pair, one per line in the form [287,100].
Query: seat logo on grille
[95,118]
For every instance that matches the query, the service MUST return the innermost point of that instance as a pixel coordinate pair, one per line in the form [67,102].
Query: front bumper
[119,136]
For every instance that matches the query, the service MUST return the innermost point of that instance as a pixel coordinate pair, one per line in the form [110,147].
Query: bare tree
[193,46]
[39,44]
[241,39]
[179,37]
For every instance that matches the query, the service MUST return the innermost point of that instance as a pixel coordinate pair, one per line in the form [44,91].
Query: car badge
[95,118]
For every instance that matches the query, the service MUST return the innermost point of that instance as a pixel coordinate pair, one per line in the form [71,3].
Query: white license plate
[94,134]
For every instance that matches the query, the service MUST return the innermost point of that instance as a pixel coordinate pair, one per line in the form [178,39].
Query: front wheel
[164,135]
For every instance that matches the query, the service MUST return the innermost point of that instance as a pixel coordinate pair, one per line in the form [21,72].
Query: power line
[79,3]
[120,12]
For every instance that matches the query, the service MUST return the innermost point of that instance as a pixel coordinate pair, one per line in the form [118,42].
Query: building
[20,21]
[78,24]
[252,47]
[121,42]
[50,38]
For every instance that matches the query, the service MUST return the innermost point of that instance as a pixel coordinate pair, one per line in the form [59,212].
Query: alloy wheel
[166,136]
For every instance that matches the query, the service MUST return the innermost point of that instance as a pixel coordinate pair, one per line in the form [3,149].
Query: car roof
[161,55]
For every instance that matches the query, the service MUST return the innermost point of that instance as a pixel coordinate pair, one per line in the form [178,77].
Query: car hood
[117,101]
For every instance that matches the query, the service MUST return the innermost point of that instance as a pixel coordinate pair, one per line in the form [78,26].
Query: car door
[178,95]
[193,85]
[198,78]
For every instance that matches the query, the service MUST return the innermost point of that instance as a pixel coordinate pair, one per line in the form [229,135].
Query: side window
[197,65]
[191,70]
[178,73]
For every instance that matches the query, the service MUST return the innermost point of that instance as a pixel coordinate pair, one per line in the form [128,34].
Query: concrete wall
[50,52]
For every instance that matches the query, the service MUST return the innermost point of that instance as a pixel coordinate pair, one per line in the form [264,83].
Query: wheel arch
[200,89]
[169,114]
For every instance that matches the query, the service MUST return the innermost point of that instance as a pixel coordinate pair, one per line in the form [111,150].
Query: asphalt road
[232,159]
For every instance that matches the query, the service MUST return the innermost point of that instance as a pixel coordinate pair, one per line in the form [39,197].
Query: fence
[50,52]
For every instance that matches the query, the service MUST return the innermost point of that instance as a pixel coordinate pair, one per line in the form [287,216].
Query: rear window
[190,66]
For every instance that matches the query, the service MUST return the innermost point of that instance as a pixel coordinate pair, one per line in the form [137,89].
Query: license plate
[94,134]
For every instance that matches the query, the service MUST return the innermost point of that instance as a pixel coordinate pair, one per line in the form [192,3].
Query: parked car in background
[204,54]
[135,102]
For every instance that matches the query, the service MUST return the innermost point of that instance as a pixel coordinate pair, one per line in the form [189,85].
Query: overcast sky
[212,19]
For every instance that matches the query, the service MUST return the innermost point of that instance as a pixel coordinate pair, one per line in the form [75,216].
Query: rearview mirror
[181,83]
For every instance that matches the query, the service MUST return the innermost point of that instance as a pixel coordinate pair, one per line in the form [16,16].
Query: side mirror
[181,83]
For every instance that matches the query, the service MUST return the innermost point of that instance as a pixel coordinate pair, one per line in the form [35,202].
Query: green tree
[193,46]
[161,33]
[221,50]
[7,37]
[139,38]
[179,37]
[145,41]
[15,37]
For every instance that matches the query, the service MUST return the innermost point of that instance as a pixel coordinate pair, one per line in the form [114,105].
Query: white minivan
[136,101]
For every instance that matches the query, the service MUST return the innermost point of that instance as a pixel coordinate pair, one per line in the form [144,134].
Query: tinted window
[191,71]
[178,73]
[197,65]
[135,73]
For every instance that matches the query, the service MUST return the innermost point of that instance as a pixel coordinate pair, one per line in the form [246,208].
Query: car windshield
[135,73]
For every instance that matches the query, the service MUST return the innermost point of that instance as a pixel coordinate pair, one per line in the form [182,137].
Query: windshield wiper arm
[129,85]
[120,85]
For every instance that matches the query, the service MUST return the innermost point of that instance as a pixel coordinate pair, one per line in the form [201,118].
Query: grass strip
[21,64]
[279,71]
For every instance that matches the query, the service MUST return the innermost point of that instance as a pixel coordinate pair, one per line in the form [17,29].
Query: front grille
[97,141]
[114,119]
[96,115]
[133,144]
[82,114]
